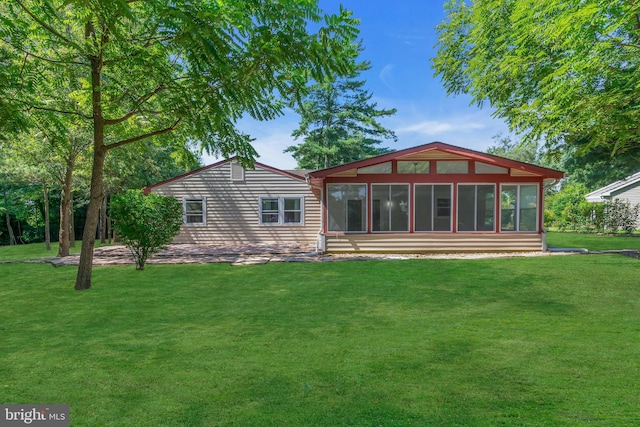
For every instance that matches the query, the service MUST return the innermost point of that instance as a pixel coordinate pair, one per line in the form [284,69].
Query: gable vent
[237,171]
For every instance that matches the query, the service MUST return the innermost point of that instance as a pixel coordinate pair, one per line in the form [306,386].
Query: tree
[521,151]
[597,168]
[339,123]
[552,69]
[145,224]
[186,68]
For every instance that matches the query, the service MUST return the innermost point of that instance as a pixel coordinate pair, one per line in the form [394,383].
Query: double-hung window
[194,210]
[281,210]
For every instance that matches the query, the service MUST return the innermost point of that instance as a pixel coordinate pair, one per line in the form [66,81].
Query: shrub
[145,224]
[621,216]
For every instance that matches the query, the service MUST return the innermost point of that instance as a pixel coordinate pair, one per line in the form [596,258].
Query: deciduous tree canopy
[150,69]
[552,68]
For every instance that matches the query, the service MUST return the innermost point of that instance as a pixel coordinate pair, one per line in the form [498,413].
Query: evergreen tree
[339,123]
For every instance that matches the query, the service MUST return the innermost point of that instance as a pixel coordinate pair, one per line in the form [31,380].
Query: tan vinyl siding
[233,208]
[434,242]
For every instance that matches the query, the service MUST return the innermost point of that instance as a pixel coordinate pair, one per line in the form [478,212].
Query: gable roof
[440,151]
[601,194]
[289,174]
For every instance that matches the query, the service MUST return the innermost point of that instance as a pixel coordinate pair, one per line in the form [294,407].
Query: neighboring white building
[625,189]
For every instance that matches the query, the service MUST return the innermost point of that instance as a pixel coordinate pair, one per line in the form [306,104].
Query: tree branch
[55,110]
[145,136]
[146,45]
[136,109]
[48,27]
[53,61]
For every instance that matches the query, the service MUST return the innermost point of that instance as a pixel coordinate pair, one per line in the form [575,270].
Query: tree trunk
[85,267]
[65,210]
[12,237]
[47,222]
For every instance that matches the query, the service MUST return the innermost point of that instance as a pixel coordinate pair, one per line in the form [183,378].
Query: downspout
[544,232]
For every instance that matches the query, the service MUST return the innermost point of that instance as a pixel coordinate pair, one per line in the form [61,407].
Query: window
[432,207]
[379,168]
[519,208]
[270,211]
[390,207]
[194,210]
[483,168]
[347,207]
[292,210]
[413,167]
[476,205]
[455,166]
[281,210]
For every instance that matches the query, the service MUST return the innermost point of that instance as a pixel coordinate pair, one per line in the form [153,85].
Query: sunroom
[433,198]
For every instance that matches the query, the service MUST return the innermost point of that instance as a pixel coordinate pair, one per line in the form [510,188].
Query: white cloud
[386,76]
[433,128]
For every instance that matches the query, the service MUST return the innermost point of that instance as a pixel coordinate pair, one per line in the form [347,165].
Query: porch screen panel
[519,208]
[486,207]
[476,207]
[528,208]
[466,207]
[424,208]
[390,209]
[442,208]
[347,207]
[432,207]
[508,211]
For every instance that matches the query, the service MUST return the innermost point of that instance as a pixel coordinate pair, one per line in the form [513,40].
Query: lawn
[522,341]
[593,242]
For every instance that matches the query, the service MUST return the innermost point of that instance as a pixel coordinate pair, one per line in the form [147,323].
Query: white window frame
[434,207]
[346,210]
[475,207]
[203,201]
[409,206]
[516,225]
[281,211]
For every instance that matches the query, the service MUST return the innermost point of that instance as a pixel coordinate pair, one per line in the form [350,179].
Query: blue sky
[398,39]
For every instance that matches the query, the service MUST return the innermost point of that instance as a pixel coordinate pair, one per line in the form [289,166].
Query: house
[431,198]
[225,204]
[625,189]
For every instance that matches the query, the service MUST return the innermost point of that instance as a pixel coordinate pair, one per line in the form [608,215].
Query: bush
[145,224]
[622,216]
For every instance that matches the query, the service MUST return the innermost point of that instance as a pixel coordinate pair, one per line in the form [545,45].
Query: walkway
[260,254]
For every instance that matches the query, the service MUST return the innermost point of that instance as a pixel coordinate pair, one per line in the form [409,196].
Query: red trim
[148,189]
[465,152]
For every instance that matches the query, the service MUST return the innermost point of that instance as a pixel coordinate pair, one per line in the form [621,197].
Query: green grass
[522,341]
[34,250]
[593,242]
